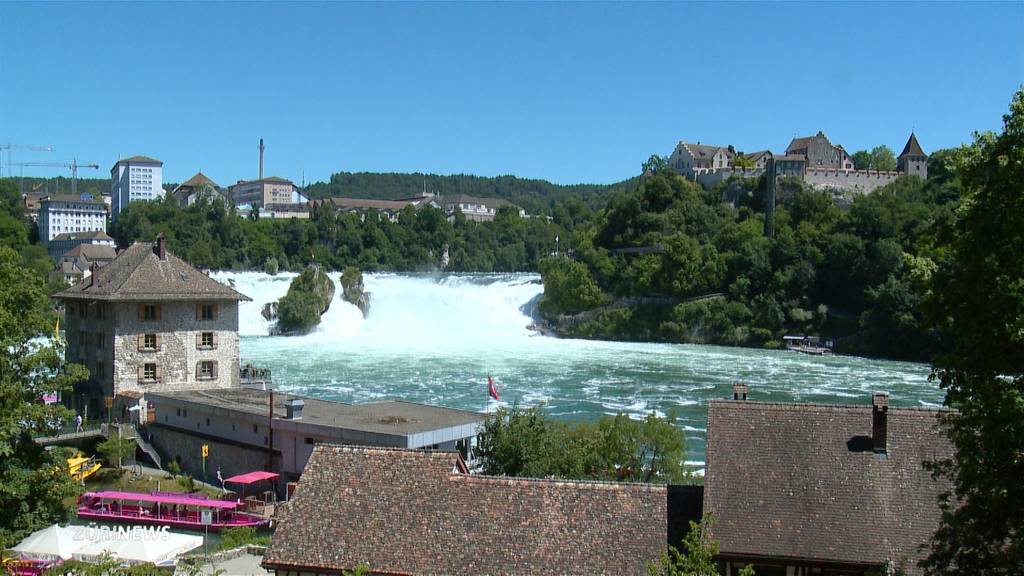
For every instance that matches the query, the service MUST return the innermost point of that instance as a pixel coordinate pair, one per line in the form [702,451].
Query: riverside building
[148,321]
[139,178]
[70,214]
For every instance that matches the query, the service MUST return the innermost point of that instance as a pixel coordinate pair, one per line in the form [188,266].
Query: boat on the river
[165,509]
[812,345]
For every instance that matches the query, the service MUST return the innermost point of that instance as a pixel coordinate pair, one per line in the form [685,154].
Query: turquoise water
[434,339]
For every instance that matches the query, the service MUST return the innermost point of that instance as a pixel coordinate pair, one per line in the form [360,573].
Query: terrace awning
[251,477]
[165,498]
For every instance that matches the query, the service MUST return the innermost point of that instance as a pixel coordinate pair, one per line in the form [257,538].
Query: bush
[187,483]
[271,266]
[242,536]
[308,297]
[116,450]
[173,468]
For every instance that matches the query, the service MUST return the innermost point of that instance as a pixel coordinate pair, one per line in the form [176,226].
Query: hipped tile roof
[412,512]
[795,481]
[138,274]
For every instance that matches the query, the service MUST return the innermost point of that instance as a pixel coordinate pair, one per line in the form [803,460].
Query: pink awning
[163,498]
[250,477]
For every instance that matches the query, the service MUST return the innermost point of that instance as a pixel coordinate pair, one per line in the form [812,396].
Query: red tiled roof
[412,512]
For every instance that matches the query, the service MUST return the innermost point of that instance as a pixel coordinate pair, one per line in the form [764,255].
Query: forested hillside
[709,274]
[536,196]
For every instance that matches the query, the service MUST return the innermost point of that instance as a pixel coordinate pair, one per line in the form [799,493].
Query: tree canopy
[977,297]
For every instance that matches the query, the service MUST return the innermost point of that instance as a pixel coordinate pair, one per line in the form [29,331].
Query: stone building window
[149,312]
[206,370]
[149,342]
[101,311]
[206,311]
[149,372]
[206,340]
[100,371]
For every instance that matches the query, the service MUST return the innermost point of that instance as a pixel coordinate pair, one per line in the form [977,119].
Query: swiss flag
[491,388]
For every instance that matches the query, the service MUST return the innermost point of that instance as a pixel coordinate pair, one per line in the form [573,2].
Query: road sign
[206,450]
[206,517]
[109,401]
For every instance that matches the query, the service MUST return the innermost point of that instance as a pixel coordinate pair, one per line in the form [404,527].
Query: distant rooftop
[90,235]
[140,160]
[387,417]
[70,198]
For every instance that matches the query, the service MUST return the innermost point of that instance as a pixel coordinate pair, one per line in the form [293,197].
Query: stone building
[807,489]
[149,321]
[818,152]
[196,187]
[913,160]
[420,512]
[76,264]
[474,208]
[63,242]
[691,160]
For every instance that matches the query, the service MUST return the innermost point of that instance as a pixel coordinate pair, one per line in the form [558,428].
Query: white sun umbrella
[157,547]
[51,543]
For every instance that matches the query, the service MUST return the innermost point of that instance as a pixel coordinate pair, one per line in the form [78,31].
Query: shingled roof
[140,160]
[912,148]
[800,481]
[138,274]
[414,512]
[198,180]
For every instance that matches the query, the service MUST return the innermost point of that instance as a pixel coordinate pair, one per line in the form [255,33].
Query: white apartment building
[67,214]
[135,178]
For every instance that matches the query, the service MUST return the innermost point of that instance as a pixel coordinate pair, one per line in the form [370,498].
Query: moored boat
[164,509]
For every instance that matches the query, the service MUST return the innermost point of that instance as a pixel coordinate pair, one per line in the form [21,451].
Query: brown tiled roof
[139,274]
[703,150]
[912,148]
[411,512]
[801,481]
[91,253]
[88,235]
[198,180]
[141,159]
[341,203]
[756,156]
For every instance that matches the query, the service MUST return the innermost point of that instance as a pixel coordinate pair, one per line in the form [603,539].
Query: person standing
[78,423]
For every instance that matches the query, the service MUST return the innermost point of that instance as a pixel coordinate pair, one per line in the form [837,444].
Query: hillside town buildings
[70,214]
[814,159]
[77,263]
[138,178]
[269,190]
[61,243]
[199,186]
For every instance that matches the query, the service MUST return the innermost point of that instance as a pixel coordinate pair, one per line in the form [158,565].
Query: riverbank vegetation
[526,442]
[679,264]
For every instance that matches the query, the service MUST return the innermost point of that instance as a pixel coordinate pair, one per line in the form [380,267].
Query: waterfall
[407,311]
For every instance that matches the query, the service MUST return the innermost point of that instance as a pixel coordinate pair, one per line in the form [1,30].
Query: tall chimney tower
[261,159]
[880,422]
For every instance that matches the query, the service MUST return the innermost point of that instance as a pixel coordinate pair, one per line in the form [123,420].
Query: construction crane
[73,165]
[10,146]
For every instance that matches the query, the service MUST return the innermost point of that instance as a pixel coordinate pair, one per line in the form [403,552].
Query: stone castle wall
[856,181]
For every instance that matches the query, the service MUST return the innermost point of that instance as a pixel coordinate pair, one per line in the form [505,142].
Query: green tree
[883,158]
[308,296]
[741,161]
[978,299]
[861,159]
[697,558]
[33,481]
[116,450]
[654,164]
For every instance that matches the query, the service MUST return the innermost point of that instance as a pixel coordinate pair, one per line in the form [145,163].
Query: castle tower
[913,160]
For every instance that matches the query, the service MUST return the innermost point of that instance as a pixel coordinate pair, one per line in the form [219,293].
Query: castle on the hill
[819,162]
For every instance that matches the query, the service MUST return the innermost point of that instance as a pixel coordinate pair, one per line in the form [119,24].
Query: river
[435,338]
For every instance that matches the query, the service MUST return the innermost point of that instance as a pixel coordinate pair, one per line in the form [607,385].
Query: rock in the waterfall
[352,289]
[308,297]
[269,311]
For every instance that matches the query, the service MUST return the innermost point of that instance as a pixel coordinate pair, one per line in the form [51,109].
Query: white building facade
[70,214]
[139,178]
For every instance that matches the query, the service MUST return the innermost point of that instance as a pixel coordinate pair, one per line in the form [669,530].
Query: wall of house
[88,331]
[186,448]
[178,352]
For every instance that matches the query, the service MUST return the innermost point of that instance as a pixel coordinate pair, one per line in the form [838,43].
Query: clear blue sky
[569,92]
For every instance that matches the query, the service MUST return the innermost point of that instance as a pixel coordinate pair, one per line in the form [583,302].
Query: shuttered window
[206,311]
[206,370]
[149,342]
[206,340]
[150,372]
[149,312]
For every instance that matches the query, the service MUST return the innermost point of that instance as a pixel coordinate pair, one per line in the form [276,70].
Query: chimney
[93,268]
[293,408]
[161,247]
[740,391]
[261,159]
[879,421]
